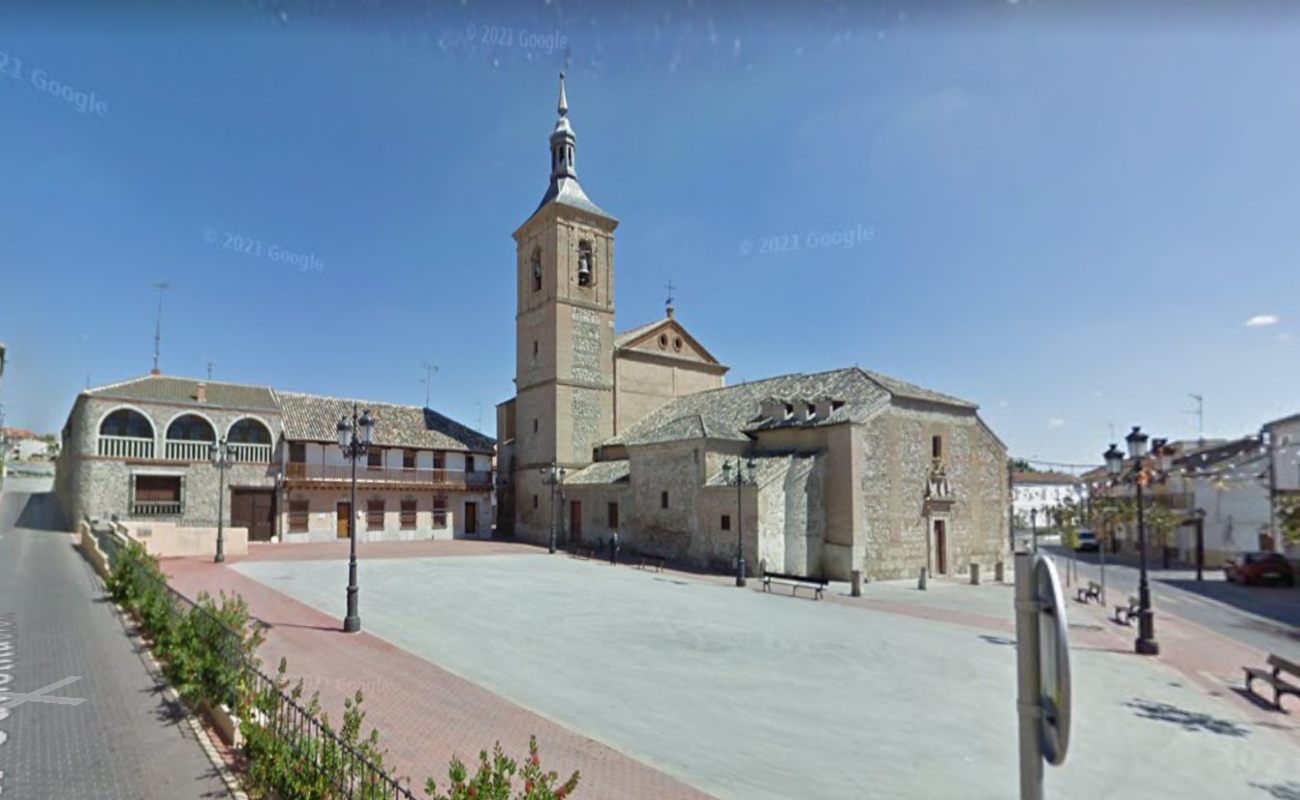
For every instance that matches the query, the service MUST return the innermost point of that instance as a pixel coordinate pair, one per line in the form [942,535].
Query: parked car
[1086,541]
[1260,567]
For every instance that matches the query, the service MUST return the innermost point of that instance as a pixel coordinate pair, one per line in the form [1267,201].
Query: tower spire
[563,107]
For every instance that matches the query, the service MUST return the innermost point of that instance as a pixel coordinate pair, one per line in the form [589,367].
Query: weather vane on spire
[669,302]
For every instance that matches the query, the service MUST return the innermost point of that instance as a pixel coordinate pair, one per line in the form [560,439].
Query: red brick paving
[424,713]
[424,548]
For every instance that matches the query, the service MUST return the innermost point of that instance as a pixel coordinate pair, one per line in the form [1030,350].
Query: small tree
[1161,522]
[1288,519]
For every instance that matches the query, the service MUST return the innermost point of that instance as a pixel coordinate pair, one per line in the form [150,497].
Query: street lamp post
[355,435]
[1033,526]
[223,455]
[740,483]
[1136,441]
[555,478]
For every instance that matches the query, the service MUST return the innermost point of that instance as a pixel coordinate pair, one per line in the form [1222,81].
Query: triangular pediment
[666,338]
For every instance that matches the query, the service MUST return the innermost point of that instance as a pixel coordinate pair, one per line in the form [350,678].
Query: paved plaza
[745,695]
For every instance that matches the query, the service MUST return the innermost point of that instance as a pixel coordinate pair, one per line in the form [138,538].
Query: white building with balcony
[139,450]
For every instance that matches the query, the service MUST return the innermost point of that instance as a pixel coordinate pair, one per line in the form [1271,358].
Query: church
[818,474]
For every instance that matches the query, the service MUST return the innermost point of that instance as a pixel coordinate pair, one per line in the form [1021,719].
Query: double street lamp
[355,436]
[222,454]
[553,476]
[741,477]
[1136,441]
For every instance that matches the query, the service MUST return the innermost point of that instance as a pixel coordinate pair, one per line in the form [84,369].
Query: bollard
[974,574]
[999,572]
[857,583]
[613,549]
[920,583]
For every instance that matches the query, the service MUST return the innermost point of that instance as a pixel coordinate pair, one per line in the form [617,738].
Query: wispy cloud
[1056,422]
[1285,336]
[1095,393]
[1263,320]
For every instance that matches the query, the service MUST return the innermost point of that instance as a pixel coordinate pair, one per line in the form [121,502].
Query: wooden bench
[585,553]
[1091,592]
[652,561]
[1274,678]
[795,582]
[1125,613]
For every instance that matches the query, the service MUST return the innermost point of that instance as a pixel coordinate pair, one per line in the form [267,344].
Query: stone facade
[96,486]
[417,455]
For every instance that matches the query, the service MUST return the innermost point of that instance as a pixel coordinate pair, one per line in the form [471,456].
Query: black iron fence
[347,771]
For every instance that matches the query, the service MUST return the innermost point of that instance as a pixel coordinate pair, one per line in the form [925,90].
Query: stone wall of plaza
[896,463]
[322,514]
[100,486]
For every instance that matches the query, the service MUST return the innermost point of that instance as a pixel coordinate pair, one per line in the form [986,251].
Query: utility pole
[209,370]
[427,380]
[161,286]
[1272,491]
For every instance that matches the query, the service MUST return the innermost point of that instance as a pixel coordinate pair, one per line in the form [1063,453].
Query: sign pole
[1029,681]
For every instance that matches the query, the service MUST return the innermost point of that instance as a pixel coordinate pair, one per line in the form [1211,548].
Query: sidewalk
[424,714]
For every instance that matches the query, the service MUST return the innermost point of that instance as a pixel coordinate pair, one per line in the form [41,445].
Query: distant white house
[1227,487]
[1035,495]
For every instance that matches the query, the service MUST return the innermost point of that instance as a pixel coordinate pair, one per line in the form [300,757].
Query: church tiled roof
[614,471]
[732,411]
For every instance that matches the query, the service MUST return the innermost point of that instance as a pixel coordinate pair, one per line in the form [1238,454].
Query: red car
[1260,567]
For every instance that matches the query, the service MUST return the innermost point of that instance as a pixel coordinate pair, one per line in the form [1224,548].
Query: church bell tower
[564,342]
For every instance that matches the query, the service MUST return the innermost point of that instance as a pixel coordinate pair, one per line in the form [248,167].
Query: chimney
[201,392]
[803,410]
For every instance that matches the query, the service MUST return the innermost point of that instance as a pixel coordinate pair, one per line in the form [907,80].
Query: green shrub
[495,779]
[289,760]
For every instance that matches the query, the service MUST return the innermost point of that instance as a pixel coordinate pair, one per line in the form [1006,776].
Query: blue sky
[1072,215]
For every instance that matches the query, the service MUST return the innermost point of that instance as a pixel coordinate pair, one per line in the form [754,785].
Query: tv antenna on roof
[1199,411]
[427,380]
[161,286]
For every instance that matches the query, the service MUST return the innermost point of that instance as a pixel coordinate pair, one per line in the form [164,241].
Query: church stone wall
[644,385]
[895,447]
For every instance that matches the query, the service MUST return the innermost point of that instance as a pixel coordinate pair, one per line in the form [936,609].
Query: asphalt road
[1266,617]
[81,716]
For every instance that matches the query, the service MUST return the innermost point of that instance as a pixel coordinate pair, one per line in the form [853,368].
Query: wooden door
[471,518]
[344,514]
[253,509]
[940,547]
[575,520]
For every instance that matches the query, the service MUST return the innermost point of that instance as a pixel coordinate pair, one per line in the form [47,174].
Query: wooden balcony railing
[449,478]
[125,447]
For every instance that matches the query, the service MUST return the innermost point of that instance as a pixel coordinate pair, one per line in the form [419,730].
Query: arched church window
[584,263]
[537,269]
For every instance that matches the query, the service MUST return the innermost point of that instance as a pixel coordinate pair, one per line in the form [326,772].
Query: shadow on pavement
[998,640]
[41,513]
[1194,721]
[1280,791]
